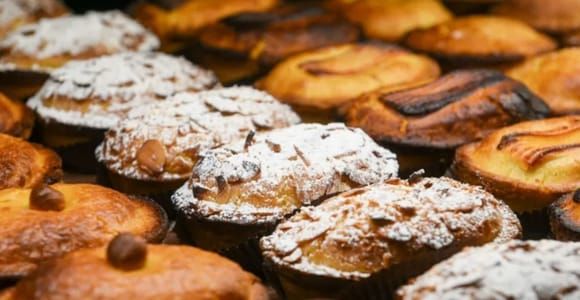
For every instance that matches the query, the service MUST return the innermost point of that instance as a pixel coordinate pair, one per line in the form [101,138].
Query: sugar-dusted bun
[15,13]
[15,118]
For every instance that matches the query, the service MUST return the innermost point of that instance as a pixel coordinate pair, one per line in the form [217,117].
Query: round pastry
[239,191]
[128,268]
[26,165]
[153,151]
[555,77]
[515,270]
[424,125]
[391,20]
[15,118]
[316,83]
[565,217]
[84,98]
[372,239]
[28,54]
[48,221]
[480,40]
[15,13]
[551,16]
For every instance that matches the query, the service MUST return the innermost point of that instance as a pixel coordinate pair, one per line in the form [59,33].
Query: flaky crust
[327,78]
[170,272]
[551,16]
[15,13]
[555,77]
[565,217]
[458,108]
[528,165]
[26,165]
[93,215]
[15,118]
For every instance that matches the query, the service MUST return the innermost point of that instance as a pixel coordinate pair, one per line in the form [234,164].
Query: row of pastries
[264,149]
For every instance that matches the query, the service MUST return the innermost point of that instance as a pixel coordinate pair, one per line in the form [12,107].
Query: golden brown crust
[15,13]
[327,78]
[15,118]
[25,165]
[551,16]
[565,217]
[91,217]
[528,165]
[458,108]
[555,77]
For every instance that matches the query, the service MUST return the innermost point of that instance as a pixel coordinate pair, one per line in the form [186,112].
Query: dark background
[84,5]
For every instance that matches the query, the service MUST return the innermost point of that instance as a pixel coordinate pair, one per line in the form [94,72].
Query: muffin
[553,76]
[29,53]
[238,192]
[550,16]
[15,13]
[25,165]
[83,99]
[565,217]
[480,41]
[45,222]
[318,82]
[367,241]
[15,118]
[424,125]
[153,150]
[391,20]
[515,270]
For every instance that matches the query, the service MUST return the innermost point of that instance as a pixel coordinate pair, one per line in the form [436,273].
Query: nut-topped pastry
[381,235]
[153,151]
[515,270]
[15,118]
[553,76]
[426,123]
[128,268]
[391,20]
[84,98]
[15,13]
[30,52]
[318,82]
[25,165]
[480,40]
[565,217]
[551,16]
[48,221]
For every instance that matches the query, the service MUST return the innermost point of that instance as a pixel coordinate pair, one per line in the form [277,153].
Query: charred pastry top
[551,16]
[458,108]
[15,118]
[515,270]
[366,230]
[14,13]
[50,42]
[163,141]
[99,92]
[565,217]
[270,175]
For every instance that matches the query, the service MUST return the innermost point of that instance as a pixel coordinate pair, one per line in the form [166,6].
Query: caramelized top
[15,118]
[552,16]
[364,231]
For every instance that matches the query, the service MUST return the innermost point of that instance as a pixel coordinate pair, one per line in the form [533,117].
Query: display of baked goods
[386,233]
[550,16]
[565,217]
[554,77]
[515,270]
[15,13]
[318,82]
[15,118]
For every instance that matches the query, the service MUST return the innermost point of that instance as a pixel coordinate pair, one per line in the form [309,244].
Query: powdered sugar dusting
[375,227]
[114,84]
[190,123]
[515,270]
[12,10]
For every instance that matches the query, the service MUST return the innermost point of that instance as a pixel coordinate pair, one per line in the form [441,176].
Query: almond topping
[43,197]
[151,157]
[127,252]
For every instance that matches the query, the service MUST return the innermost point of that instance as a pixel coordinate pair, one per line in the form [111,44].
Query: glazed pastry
[565,217]
[515,270]
[15,13]
[128,268]
[26,165]
[238,192]
[316,83]
[369,240]
[479,41]
[153,151]
[15,118]
[179,21]
[83,99]
[553,76]
[425,124]
[551,16]
[48,221]
[390,20]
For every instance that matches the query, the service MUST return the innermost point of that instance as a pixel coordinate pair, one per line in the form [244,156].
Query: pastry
[467,7]
[15,118]
[553,76]
[318,82]
[425,124]
[83,99]
[555,17]
[571,39]
[29,53]
[515,270]
[48,221]
[153,151]
[15,13]
[128,268]
[565,217]
[369,240]
[391,20]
